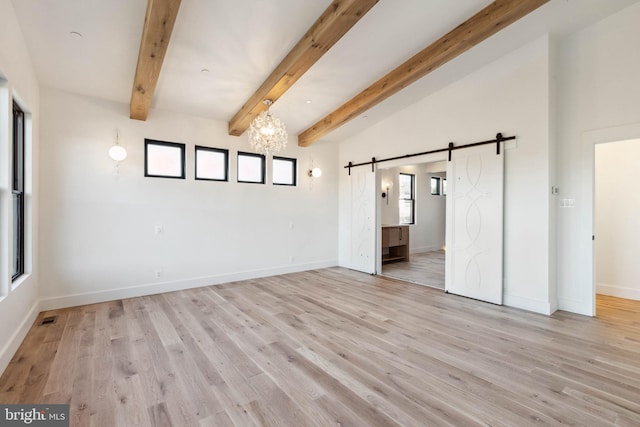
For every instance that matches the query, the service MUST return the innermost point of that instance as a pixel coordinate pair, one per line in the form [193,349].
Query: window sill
[19,281]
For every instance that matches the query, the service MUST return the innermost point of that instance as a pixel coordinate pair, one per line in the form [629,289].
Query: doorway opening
[616,226]
[413,223]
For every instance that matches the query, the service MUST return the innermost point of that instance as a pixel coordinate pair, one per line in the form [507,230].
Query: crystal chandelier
[267,134]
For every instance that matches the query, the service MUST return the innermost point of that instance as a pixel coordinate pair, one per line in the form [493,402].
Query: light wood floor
[330,348]
[426,268]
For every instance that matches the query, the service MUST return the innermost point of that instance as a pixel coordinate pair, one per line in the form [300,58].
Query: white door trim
[586,244]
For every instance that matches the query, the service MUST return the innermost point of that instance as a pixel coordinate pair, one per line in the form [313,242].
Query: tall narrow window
[407,198]
[18,192]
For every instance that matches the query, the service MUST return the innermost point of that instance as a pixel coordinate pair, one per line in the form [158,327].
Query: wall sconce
[117,152]
[385,194]
[315,172]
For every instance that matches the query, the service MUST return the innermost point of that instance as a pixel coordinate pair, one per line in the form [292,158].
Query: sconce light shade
[315,172]
[118,153]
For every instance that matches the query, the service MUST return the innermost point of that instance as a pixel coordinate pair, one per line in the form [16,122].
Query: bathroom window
[407,198]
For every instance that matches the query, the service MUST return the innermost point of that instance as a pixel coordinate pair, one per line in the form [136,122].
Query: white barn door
[363,230]
[475,223]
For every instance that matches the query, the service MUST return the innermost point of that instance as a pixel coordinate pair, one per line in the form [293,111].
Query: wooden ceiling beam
[474,30]
[158,25]
[334,23]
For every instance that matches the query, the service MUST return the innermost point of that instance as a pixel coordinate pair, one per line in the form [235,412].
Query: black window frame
[263,171]
[438,187]
[412,199]
[294,171]
[215,150]
[183,158]
[17,190]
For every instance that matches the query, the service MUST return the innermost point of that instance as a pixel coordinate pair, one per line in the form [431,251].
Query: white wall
[598,95]
[428,232]
[618,219]
[98,235]
[389,213]
[18,300]
[512,96]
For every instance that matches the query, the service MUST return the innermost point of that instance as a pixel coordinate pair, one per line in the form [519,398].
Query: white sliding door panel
[475,224]
[363,231]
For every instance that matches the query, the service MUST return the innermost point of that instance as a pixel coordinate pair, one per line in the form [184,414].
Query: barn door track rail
[498,139]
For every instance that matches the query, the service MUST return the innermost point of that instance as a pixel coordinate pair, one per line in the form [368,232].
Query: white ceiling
[241,41]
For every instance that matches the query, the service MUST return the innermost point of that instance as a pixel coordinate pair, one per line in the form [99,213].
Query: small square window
[212,164]
[164,159]
[284,171]
[435,185]
[251,168]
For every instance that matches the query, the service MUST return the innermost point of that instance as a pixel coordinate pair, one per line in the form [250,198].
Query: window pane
[250,168]
[444,186]
[17,227]
[164,160]
[406,211]
[284,171]
[211,164]
[18,149]
[406,187]
[435,185]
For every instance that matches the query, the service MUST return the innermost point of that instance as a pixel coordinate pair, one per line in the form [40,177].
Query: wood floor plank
[426,268]
[330,347]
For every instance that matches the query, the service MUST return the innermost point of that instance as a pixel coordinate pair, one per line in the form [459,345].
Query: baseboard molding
[529,304]
[574,306]
[65,301]
[10,348]
[617,291]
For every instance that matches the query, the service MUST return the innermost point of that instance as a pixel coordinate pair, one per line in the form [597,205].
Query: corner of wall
[9,350]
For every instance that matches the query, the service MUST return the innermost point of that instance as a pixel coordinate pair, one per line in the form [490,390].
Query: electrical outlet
[158,229]
[158,273]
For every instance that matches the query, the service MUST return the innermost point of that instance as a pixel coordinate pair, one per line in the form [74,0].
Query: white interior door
[363,209]
[475,223]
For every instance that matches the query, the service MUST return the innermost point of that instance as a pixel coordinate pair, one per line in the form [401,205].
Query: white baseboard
[617,291]
[10,348]
[574,306]
[529,304]
[65,301]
